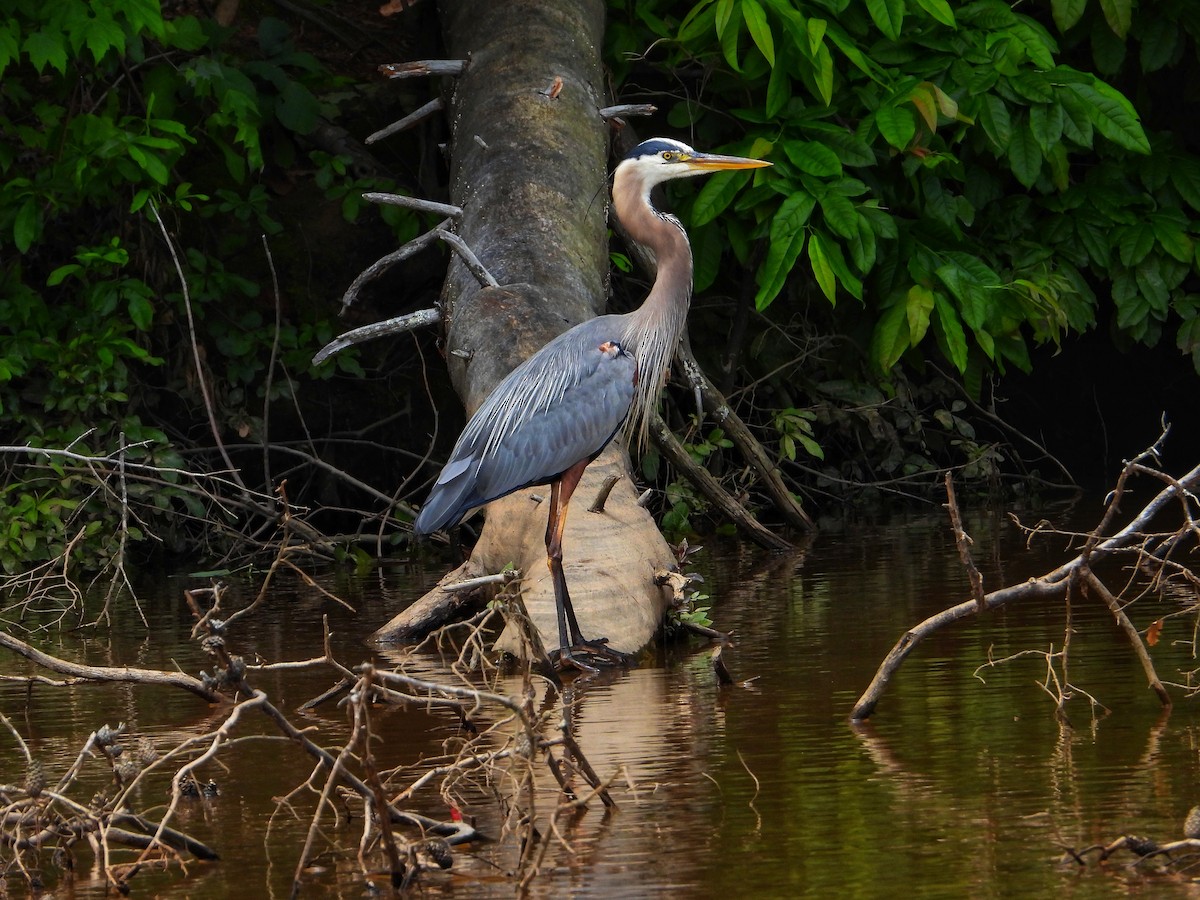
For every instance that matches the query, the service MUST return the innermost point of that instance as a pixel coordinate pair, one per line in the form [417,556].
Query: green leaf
[103,34]
[716,195]
[1185,176]
[997,124]
[1173,238]
[940,10]
[724,12]
[897,126]
[1046,123]
[888,16]
[823,74]
[1067,12]
[10,46]
[837,262]
[1188,339]
[813,158]
[26,226]
[781,258]
[970,282]
[1118,14]
[840,215]
[863,246]
[890,339]
[1112,114]
[760,30]
[850,148]
[939,202]
[811,446]
[1077,123]
[1151,285]
[149,163]
[918,304]
[822,270]
[816,29]
[779,90]
[950,329]
[793,214]
[1159,42]
[297,109]
[141,312]
[1095,241]
[1024,156]
[729,42]
[46,49]
[1136,242]
[59,275]
[1037,43]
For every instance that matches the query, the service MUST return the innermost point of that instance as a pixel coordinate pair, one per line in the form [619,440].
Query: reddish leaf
[1153,632]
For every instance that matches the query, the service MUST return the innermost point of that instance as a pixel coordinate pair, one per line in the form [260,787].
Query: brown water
[958,787]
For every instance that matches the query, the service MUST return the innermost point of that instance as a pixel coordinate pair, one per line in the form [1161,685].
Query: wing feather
[559,407]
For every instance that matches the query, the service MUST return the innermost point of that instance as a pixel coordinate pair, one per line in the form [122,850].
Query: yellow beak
[706,162]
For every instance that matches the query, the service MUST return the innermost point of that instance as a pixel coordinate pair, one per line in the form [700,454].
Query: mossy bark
[528,168]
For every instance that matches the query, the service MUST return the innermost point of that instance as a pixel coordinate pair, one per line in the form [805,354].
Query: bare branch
[377,268]
[433,107]
[459,246]
[423,68]
[430,206]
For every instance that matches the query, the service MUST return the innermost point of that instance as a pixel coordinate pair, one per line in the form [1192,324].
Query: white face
[669,161]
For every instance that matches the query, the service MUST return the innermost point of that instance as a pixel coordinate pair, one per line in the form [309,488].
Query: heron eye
[669,155]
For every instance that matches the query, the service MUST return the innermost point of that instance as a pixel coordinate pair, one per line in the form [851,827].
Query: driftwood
[1136,537]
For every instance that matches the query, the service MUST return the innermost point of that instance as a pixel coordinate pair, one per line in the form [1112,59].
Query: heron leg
[570,637]
[554,526]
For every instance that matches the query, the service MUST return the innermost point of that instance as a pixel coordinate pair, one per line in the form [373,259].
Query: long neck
[654,329]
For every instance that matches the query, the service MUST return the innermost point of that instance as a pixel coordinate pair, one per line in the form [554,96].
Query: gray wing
[560,407]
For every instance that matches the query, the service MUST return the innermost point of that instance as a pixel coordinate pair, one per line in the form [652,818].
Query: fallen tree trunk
[528,168]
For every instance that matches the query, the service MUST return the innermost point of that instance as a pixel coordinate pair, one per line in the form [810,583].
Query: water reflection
[962,785]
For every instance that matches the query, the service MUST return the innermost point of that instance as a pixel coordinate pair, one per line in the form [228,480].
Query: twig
[381,265]
[704,481]
[201,375]
[124,674]
[459,246]
[433,107]
[397,325]
[1050,585]
[735,429]
[602,495]
[423,68]
[963,542]
[628,109]
[1092,583]
[469,584]
[429,206]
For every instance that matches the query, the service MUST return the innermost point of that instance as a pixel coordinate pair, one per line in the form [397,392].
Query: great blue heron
[554,413]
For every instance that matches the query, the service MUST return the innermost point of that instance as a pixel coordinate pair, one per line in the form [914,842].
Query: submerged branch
[124,674]
[1136,532]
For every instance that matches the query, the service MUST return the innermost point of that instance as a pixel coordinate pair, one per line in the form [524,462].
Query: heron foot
[588,656]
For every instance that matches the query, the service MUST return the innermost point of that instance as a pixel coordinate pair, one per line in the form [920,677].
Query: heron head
[661,159]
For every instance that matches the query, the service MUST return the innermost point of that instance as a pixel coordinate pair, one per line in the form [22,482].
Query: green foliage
[954,169]
[108,111]
[795,427]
